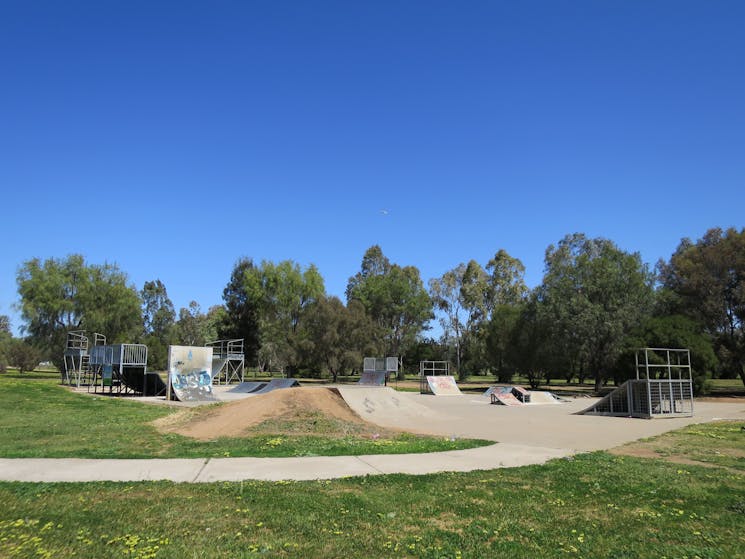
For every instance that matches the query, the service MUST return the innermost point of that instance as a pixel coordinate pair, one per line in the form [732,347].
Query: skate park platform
[542,426]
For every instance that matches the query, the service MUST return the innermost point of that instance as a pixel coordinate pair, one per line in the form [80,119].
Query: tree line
[596,304]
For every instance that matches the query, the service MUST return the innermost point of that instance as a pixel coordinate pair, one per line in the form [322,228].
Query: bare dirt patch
[307,410]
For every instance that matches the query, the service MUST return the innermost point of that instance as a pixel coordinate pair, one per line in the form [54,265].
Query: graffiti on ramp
[190,373]
[443,385]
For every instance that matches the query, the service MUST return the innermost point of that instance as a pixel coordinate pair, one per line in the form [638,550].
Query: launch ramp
[277,384]
[248,387]
[443,385]
[435,378]
[663,387]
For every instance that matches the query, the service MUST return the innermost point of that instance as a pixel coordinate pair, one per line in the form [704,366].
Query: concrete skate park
[543,429]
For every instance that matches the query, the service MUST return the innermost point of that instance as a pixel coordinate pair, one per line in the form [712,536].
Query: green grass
[720,444]
[41,419]
[594,505]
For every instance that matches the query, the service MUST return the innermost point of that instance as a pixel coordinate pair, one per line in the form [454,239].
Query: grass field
[593,505]
[41,419]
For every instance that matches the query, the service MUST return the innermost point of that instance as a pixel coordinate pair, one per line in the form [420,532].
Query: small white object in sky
[384,212]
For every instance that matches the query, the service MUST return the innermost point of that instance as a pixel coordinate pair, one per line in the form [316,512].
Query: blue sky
[172,138]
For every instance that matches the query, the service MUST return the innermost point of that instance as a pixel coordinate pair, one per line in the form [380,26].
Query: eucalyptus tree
[159,318]
[241,318]
[507,296]
[674,331]
[447,295]
[592,294]
[5,340]
[282,292]
[478,307]
[195,327]
[708,278]
[59,295]
[394,297]
[335,337]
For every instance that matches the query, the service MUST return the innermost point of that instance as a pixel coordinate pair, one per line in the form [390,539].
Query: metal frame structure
[228,361]
[120,367]
[431,369]
[663,387]
[77,357]
[380,364]
[387,365]
[113,365]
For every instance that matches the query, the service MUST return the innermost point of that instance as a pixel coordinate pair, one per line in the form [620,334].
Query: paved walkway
[198,470]
[526,435]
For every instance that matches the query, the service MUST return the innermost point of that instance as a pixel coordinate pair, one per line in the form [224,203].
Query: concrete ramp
[372,378]
[277,384]
[385,406]
[248,387]
[217,365]
[518,396]
[544,397]
[443,385]
[190,373]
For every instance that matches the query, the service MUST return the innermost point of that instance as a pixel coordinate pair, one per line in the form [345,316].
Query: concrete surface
[204,470]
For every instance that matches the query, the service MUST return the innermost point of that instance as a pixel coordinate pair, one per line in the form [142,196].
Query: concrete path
[525,434]
[200,470]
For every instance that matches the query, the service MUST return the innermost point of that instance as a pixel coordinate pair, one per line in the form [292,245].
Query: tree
[336,338]
[675,332]
[59,295]
[446,294]
[5,338]
[708,278]
[194,328]
[241,318]
[394,297]
[468,296]
[530,343]
[499,332]
[593,293]
[23,355]
[158,319]
[283,292]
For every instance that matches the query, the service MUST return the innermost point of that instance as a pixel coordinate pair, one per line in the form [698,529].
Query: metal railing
[76,339]
[226,349]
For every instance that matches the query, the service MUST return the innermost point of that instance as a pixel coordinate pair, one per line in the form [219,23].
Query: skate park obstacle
[663,387]
[377,370]
[435,378]
[228,361]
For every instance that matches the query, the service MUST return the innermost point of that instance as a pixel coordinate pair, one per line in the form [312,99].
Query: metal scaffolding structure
[663,387]
[77,357]
[431,369]
[228,361]
[120,368]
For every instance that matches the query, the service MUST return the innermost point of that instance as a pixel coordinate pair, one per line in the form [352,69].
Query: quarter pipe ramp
[443,385]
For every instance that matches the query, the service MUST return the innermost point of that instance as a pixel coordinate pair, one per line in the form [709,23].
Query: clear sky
[171,138]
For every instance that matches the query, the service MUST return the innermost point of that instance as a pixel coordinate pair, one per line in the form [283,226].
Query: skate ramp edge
[277,384]
[248,387]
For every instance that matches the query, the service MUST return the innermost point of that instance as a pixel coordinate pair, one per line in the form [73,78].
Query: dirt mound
[307,410]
